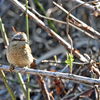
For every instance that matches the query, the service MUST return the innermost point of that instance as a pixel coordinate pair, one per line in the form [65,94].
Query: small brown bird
[19,51]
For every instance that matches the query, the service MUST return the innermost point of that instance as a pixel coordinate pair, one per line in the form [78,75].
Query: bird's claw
[11,68]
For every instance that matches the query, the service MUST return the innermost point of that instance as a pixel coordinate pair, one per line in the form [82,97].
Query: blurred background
[43,45]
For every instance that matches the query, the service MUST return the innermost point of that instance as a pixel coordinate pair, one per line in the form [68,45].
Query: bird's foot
[11,68]
[25,68]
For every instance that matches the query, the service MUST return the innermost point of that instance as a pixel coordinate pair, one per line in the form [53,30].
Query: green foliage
[69,62]
[69,59]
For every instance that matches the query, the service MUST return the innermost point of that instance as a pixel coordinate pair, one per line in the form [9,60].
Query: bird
[18,51]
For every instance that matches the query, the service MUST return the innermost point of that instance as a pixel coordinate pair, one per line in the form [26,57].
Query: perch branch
[68,76]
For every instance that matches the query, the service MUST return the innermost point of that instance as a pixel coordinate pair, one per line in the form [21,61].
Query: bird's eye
[18,39]
[22,40]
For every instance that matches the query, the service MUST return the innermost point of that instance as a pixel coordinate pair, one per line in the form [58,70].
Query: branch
[43,87]
[87,5]
[73,77]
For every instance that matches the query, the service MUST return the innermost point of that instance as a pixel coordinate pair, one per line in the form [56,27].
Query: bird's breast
[18,54]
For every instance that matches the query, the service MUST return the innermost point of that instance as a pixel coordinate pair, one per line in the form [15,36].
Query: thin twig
[63,62]
[87,5]
[83,92]
[96,87]
[43,87]
[4,35]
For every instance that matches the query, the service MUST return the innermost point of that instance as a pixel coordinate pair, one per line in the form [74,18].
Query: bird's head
[20,36]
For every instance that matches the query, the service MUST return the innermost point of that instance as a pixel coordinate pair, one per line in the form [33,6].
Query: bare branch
[87,5]
[68,76]
[43,87]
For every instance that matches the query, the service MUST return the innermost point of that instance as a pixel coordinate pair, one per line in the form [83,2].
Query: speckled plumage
[19,52]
